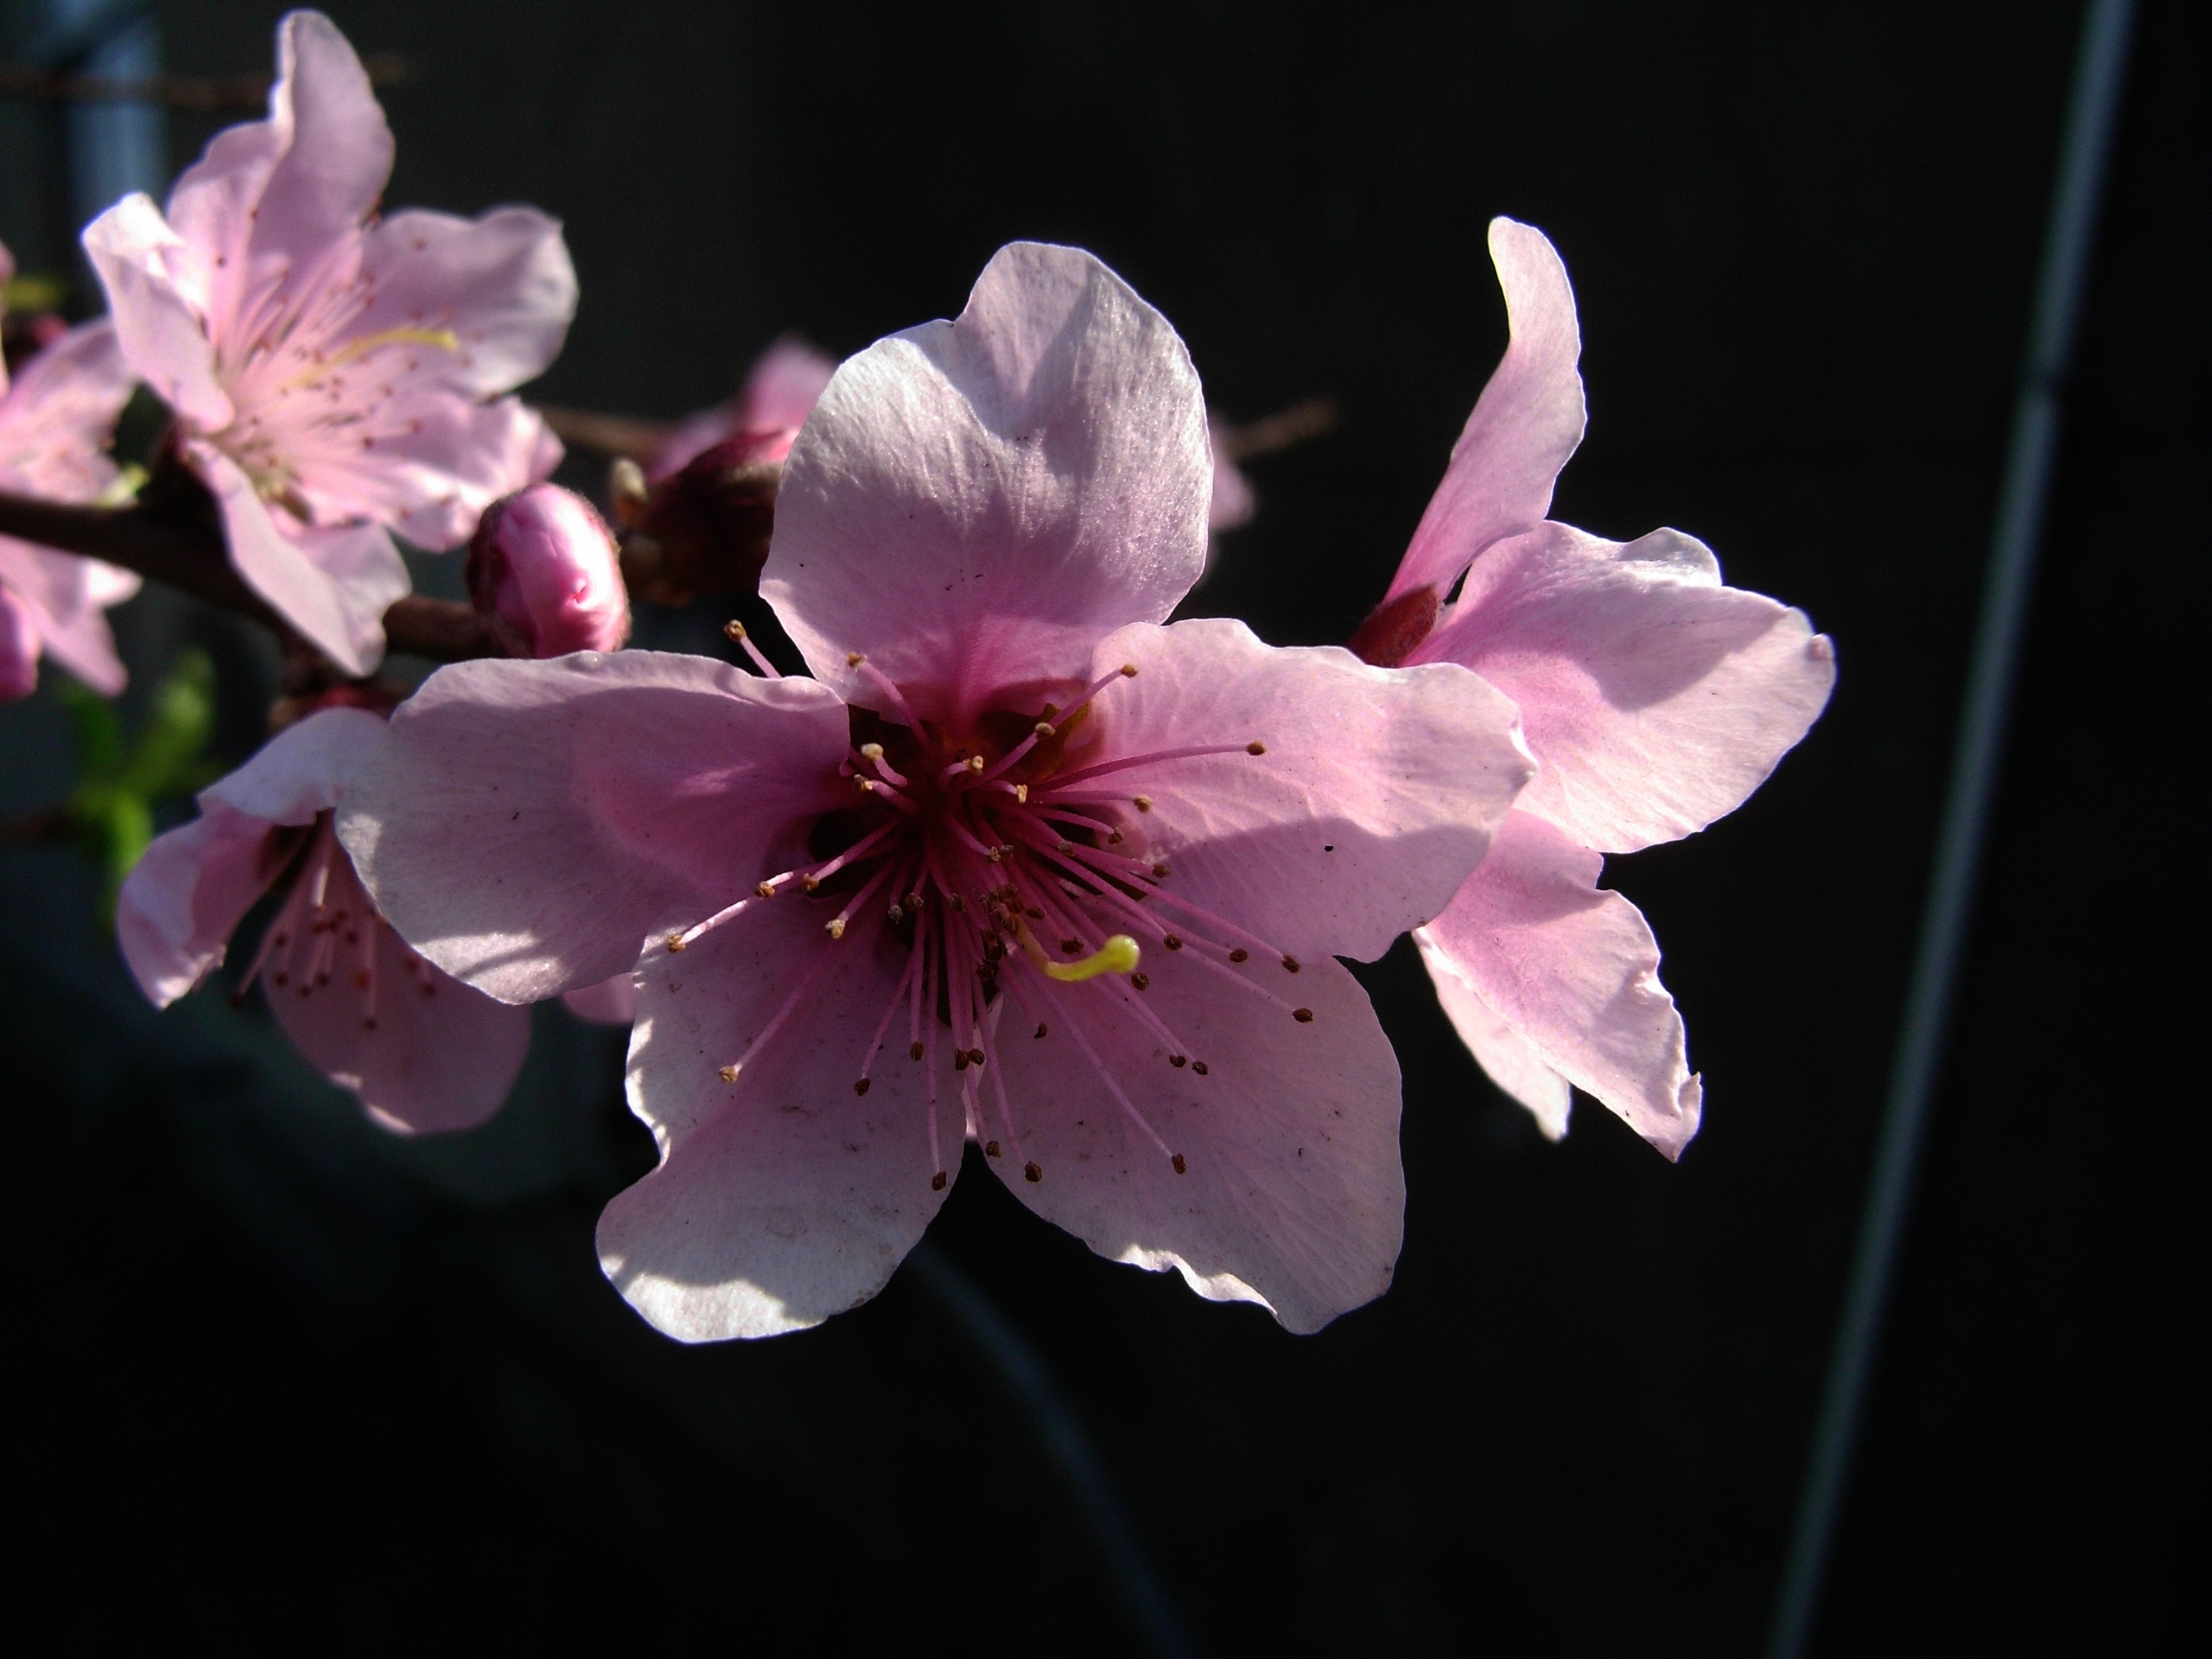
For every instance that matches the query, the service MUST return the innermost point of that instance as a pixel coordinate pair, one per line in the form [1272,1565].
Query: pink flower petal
[302,771]
[1573,971]
[333,585]
[611,1002]
[431,479]
[20,648]
[783,387]
[975,503]
[526,825]
[1525,425]
[1377,792]
[1292,1194]
[424,1054]
[187,895]
[1656,699]
[156,293]
[786,1196]
[334,152]
[504,283]
[1511,1061]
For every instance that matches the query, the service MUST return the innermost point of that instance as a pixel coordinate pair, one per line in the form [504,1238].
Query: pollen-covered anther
[975,1056]
[834,927]
[854,659]
[937,1181]
[1144,803]
[1198,1066]
[1171,942]
[1142,981]
[960,1061]
[1032,1172]
[1303,1016]
[727,1073]
[1240,954]
[1179,1061]
[809,883]
[1256,748]
[1290,963]
[914,1051]
[1045,729]
[675,944]
[1128,670]
[861,1086]
[1040,1028]
[765,890]
[1177,1164]
[1161,872]
[871,751]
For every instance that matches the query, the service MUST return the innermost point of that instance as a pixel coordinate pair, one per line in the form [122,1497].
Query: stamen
[822,962]
[1084,774]
[734,631]
[882,681]
[678,941]
[873,753]
[835,926]
[883,1026]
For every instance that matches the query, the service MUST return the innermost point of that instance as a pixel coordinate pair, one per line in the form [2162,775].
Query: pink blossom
[770,407]
[334,377]
[55,421]
[1022,863]
[422,1052]
[1654,699]
[541,572]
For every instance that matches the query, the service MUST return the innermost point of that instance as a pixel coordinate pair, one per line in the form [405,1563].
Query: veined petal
[974,505]
[301,771]
[1292,1194]
[1527,423]
[334,584]
[1376,794]
[1573,971]
[430,477]
[157,293]
[187,895]
[503,284]
[335,154]
[1656,699]
[424,1055]
[526,824]
[1517,1065]
[782,1197]
[57,420]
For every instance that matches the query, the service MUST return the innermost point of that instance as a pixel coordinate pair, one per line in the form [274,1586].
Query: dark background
[275,1375]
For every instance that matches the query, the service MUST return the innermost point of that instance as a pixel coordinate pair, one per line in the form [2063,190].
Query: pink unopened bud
[19,648]
[542,574]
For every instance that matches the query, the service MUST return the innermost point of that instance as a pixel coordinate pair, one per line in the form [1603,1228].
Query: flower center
[328,931]
[1004,862]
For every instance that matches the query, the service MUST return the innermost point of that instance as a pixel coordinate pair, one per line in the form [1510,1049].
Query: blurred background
[280,1375]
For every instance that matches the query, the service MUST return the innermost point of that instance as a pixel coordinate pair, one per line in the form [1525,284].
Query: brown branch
[611,434]
[190,556]
[207,93]
[1280,430]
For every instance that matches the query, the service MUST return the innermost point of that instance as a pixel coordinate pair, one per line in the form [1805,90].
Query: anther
[1291,963]
[936,1182]
[990,1148]
[854,659]
[1160,872]
[765,890]
[1032,1172]
[1128,670]
[1179,1061]
[871,751]
[1179,1166]
[913,1050]
[1171,942]
[1045,729]
[1040,1028]
[675,944]
[728,1073]
[1198,1066]
[1069,946]
[1256,748]
[1142,981]
[1303,1016]
[809,883]
[1144,803]
[1034,913]
[975,1056]
[835,928]
[861,1087]
[1240,954]
[960,1059]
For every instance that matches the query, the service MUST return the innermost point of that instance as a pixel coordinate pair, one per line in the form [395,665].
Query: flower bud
[704,528]
[19,648]
[542,574]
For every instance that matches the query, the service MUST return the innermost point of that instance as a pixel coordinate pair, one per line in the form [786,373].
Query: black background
[273,1374]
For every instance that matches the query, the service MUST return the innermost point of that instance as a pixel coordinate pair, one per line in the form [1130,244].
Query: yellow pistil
[1119,955]
[444,339]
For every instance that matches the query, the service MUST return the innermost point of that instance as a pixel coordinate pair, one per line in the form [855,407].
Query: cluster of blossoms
[1019,862]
